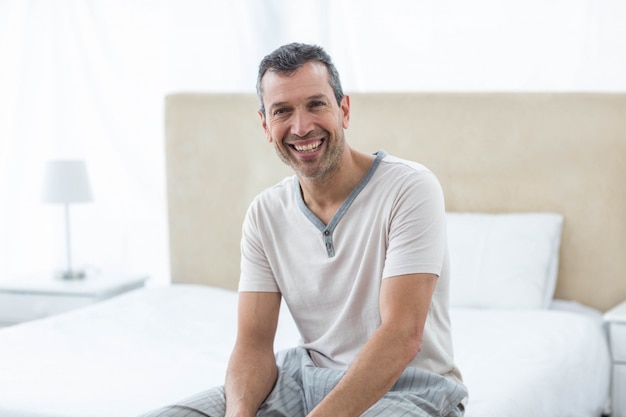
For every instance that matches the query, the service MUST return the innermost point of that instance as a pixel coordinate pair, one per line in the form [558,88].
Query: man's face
[303,120]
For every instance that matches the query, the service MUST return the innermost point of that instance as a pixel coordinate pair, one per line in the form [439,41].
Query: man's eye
[318,104]
[278,112]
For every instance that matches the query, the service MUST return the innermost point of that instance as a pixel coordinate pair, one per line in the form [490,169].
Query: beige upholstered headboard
[492,152]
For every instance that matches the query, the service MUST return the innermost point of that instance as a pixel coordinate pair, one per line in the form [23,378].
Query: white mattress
[153,346]
[539,363]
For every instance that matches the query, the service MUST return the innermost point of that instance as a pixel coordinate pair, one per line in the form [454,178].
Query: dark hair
[288,58]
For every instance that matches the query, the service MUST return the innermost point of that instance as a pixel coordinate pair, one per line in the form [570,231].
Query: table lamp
[66,182]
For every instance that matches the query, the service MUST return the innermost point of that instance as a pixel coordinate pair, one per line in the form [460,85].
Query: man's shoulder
[281,191]
[399,170]
[394,162]
[397,173]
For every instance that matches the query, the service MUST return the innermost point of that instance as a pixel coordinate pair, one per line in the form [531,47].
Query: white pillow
[503,260]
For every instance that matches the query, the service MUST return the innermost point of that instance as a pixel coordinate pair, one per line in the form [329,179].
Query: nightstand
[35,297]
[616,321]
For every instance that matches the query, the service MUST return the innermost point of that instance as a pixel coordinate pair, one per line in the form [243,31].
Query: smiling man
[356,245]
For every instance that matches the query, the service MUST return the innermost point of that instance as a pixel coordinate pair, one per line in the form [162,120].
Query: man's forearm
[373,373]
[250,377]
[404,307]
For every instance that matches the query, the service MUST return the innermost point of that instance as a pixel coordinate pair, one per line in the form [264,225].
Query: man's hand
[252,370]
[404,304]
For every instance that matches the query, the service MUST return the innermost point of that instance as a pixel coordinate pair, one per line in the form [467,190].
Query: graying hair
[288,58]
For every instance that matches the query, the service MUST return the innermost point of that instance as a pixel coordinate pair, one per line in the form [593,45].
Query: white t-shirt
[392,224]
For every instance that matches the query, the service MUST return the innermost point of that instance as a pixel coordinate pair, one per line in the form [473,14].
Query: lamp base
[72,275]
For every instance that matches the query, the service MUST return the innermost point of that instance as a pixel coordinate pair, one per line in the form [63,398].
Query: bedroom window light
[67,182]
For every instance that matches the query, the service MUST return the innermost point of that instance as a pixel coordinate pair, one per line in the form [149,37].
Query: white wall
[87,78]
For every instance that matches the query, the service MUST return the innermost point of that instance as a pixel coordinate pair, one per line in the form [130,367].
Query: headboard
[492,152]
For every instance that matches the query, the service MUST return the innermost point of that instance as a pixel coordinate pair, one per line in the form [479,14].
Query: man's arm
[404,305]
[252,370]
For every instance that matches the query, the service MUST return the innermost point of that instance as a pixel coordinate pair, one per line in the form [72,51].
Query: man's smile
[307,147]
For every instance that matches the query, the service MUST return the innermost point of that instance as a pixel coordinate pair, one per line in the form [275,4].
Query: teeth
[307,148]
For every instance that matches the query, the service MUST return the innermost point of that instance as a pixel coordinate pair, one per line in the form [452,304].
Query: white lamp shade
[66,181]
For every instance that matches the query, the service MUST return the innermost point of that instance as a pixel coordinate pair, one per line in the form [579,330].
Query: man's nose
[302,123]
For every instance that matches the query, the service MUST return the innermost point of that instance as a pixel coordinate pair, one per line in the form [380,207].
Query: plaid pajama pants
[301,386]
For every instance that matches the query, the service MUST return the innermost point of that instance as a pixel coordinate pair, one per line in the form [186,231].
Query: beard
[318,168]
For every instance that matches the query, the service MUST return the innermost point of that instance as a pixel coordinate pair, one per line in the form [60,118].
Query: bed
[534,193]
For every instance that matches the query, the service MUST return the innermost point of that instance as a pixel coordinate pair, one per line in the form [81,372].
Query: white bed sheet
[557,362]
[122,356]
[153,346]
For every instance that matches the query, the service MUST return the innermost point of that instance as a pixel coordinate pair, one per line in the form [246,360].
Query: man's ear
[345,111]
[264,125]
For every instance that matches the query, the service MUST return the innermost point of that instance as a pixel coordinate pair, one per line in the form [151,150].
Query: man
[356,245]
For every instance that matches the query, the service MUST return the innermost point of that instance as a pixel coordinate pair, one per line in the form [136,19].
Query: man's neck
[324,196]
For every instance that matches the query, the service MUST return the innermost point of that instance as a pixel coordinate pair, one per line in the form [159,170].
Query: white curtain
[86,79]
[83,79]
